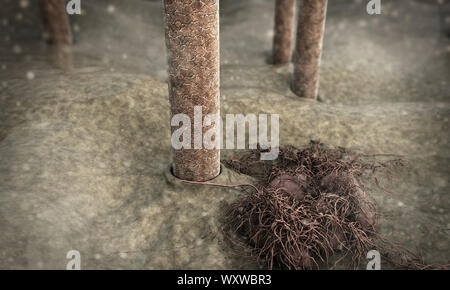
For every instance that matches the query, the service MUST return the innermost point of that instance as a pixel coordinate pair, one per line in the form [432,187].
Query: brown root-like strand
[308,51]
[192,40]
[284,31]
[58,32]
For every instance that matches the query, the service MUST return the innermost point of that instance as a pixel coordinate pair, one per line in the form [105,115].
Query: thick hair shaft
[308,51]
[59,35]
[284,31]
[192,40]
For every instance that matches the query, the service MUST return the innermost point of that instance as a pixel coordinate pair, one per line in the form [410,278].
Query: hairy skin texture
[284,31]
[311,26]
[192,40]
[57,26]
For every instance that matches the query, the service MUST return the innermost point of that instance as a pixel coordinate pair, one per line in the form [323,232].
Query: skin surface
[311,27]
[284,31]
[192,40]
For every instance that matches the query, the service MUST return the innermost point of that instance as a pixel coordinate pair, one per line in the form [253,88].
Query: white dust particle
[30,75]
[24,3]
[17,49]
[111,8]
